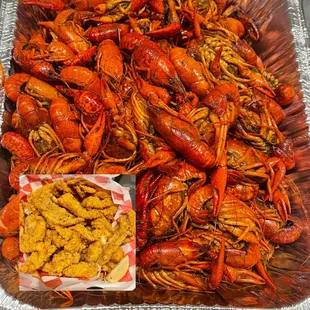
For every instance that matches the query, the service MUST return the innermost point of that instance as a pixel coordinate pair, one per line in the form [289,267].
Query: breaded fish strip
[69,202]
[112,246]
[60,261]
[75,243]
[103,228]
[73,239]
[102,222]
[103,193]
[62,218]
[131,218]
[84,191]
[41,199]
[82,270]
[110,212]
[66,233]
[36,260]
[95,203]
[83,182]
[61,187]
[84,232]
[34,230]
[93,251]
[117,255]
[55,238]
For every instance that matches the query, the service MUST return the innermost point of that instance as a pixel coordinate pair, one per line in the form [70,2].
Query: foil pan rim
[302,48]
[8,10]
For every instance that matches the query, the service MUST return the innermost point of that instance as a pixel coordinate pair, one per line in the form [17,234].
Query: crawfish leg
[218,268]
[219,180]
[147,70]
[172,29]
[176,215]
[262,271]
[215,65]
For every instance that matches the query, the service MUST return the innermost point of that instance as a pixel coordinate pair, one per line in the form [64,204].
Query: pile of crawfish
[172,91]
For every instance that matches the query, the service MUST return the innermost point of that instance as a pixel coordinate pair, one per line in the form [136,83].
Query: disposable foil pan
[284,49]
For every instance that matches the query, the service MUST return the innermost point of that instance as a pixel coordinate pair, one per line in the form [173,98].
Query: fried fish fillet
[93,251]
[42,200]
[111,246]
[82,270]
[84,232]
[103,193]
[117,255]
[69,202]
[60,188]
[56,238]
[41,255]
[102,228]
[73,240]
[32,232]
[60,261]
[96,203]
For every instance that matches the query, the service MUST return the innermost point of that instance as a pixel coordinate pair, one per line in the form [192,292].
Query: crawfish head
[130,41]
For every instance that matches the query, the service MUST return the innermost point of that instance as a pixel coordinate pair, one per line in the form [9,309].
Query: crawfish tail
[182,136]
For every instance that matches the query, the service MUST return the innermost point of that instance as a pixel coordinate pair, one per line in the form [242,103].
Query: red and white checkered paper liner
[120,196]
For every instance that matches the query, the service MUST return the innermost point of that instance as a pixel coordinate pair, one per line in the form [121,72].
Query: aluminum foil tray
[284,49]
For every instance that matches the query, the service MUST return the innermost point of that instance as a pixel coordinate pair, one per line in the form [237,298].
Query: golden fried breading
[103,193]
[73,240]
[55,238]
[81,181]
[28,209]
[110,212]
[84,191]
[75,243]
[95,203]
[84,232]
[65,233]
[62,218]
[60,261]
[41,255]
[112,246]
[33,231]
[117,255]
[88,189]
[93,251]
[82,270]
[41,199]
[131,218]
[60,188]
[106,268]
[115,241]
[123,223]
[103,228]
[69,202]
[102,222]
[111,265]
